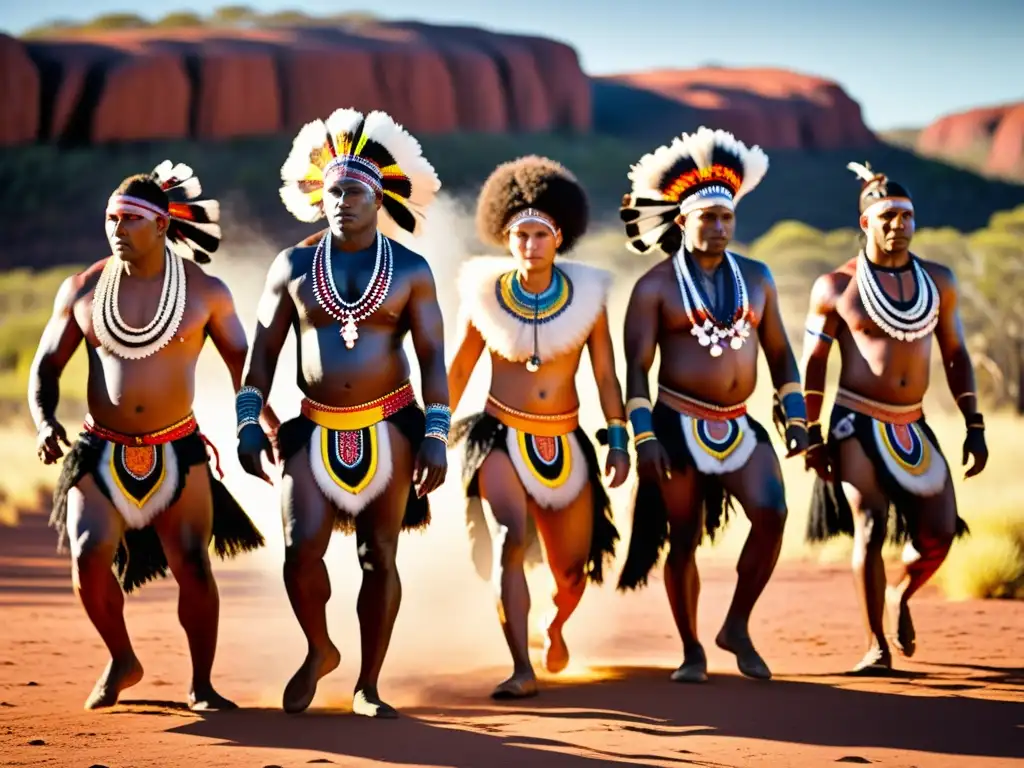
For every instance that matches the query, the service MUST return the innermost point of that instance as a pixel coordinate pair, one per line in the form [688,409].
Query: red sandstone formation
[770,107]
[998,132]
[19,93]
[208,83]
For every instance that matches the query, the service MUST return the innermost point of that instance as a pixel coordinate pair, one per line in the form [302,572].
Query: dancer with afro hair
[528,467]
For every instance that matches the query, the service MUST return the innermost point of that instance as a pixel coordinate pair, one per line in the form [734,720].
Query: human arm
[471,346]
[58,343]
[820,330]
[641,344]
[602,360]
[956,361]
[427,329]
[790,411]
[274,316]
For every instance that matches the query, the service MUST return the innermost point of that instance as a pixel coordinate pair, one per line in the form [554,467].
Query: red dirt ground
[958,703]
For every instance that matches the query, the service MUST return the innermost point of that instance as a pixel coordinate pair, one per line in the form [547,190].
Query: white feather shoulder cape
[511,337]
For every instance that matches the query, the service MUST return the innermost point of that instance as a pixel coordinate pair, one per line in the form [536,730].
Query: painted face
[350,206]
[533,245]
[889,224]
[710,230]
[134,235]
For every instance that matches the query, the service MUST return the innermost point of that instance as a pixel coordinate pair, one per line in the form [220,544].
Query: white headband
[708,197]
[886,203]
[135,205]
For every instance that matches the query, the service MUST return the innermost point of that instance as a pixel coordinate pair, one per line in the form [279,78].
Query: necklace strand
[708,330]
[910,324]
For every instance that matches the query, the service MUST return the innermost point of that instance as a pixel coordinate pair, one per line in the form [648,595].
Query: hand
[617,465]
[652,462]
[271,425]
[974,446]
[816,459]
[431,466]
[252,444]
[797,440]
[51,434]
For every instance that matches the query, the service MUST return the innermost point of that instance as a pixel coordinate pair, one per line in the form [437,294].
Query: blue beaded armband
[618,437]
[794,407]
[439,421]
[248,407]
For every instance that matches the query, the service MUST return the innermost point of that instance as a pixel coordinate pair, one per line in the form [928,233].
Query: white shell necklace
[908,324]
[128,342]
[709,332]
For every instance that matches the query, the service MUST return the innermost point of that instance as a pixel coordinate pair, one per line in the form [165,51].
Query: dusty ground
[959,702]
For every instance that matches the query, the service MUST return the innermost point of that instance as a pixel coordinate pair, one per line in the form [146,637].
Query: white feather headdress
[697,170]
[375,149]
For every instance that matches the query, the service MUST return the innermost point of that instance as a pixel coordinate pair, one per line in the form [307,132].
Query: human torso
[138,396]
[688,367]
[330,372]
[874,364]
[508,329]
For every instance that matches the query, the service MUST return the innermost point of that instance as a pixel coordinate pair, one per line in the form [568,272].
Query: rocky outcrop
[990,136]
[210,83]
[19,93]
[770,107]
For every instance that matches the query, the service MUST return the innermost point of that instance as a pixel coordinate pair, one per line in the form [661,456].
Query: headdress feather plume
[193,229]
[707,167]
[375,145]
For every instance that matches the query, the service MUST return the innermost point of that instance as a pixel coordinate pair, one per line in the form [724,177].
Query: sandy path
[959,703]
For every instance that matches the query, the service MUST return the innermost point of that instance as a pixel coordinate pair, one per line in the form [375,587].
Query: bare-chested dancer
[883,308]
[352,457]
[699,448]
[136,488]
[526,458]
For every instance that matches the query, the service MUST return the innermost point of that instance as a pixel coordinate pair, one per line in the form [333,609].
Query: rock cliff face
[224,83]
[770,107]
[994,136]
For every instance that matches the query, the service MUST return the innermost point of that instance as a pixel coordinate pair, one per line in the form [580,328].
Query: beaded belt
[350,417]
[698,409]
[549,425]
[889,414]
[176,431]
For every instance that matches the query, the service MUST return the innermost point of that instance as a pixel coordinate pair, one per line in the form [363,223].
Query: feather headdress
[697,170]
[371,149]
[193,228]
[876,187]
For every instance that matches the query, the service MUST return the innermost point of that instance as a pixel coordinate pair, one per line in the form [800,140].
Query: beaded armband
[975,421]
[248,407]
[638,411]
[618,437]
[439,421]
[793,406]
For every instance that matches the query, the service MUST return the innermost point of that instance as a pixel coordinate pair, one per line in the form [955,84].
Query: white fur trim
[550,498]
[352,503]
[135,516]
[928,483]
[512,338]
[712,465]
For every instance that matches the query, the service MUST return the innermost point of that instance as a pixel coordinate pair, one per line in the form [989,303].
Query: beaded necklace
[326,293]
[710,331]
[910,324]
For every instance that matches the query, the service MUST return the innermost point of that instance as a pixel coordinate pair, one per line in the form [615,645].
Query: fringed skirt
[712,448]
[354,467]
[141,483]
[908,463]
[553,471]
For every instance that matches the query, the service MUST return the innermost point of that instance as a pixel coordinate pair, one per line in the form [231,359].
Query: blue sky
[906,62]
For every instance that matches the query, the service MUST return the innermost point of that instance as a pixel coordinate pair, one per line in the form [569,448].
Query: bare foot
[694,668]
[119,675]
[748,660]
[900,623]
[301,689]
[877,661]
[521,685]
[368,703]
[556,652]
[204,699]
